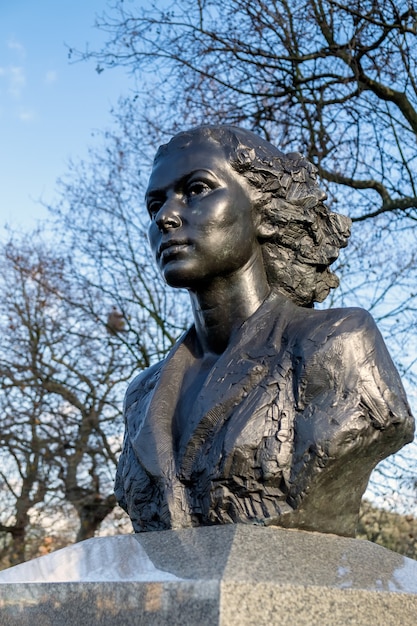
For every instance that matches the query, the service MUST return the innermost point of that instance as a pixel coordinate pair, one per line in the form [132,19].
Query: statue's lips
[172,247]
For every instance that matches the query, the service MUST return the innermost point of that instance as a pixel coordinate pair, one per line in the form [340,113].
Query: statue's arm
[127,464]
[350,389]
[352,412]
[382,392]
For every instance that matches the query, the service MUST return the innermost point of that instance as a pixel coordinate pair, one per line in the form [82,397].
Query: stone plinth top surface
[234,574]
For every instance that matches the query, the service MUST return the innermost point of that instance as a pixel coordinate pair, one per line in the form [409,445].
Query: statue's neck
[222,305]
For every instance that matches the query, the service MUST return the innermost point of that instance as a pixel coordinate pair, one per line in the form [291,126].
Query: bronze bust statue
[266,411]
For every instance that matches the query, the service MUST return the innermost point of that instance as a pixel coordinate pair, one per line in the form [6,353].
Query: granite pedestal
[237,574]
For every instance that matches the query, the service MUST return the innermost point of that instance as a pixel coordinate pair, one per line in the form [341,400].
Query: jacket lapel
[153,443]
[240,369]
[238,372]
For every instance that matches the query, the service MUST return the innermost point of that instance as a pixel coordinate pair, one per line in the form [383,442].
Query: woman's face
[201,210]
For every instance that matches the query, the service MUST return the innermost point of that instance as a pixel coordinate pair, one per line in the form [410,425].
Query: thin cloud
[17,80]
[51,76]
[13,44]
[25,115]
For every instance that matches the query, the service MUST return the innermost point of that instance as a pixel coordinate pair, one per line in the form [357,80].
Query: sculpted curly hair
[299,234]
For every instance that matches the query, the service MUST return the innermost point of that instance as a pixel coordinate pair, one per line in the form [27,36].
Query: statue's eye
[153,207]
[197,187]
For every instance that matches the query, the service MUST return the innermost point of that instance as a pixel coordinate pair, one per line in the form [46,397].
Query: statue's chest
[192,384]
[254,435]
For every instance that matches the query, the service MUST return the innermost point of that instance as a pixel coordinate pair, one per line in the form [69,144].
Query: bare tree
[101,218]
[62,379]
[25,473]
[336,80]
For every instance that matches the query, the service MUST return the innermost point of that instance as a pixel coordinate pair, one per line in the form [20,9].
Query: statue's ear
[265,230]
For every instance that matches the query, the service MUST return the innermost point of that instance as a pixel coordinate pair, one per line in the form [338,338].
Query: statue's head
[299,236]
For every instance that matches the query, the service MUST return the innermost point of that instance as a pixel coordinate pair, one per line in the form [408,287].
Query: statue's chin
[183,274]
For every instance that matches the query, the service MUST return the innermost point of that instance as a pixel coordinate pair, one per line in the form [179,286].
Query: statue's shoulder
[304,324]
[142,384]
[342,334]
[344,348]
[335,323]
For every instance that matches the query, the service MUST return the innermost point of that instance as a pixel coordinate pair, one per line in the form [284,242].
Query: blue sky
[48,107]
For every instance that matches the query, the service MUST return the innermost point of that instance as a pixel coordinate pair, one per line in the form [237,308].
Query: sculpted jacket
[287,428]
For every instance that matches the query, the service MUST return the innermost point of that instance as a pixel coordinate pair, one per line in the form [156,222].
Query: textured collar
[242,366]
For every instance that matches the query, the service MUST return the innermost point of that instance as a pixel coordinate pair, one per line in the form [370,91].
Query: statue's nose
[168,215]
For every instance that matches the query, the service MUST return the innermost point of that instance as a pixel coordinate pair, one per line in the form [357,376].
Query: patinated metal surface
[266,411]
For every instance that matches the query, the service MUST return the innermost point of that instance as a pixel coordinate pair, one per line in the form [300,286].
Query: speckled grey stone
[222,575]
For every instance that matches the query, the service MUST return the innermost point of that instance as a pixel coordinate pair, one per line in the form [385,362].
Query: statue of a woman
[266,411]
